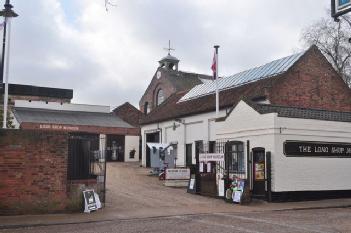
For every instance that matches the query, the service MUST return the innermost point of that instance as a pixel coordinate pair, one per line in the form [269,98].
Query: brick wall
[128,113]
[33,171]
[312,83]
[155,85]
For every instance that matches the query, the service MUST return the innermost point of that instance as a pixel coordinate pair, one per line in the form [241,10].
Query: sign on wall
[211,157]
[317,149]
[58,127]
[340,7]
[178,174]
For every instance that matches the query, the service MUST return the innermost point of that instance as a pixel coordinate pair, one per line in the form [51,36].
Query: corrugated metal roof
[45,116]
[268,70]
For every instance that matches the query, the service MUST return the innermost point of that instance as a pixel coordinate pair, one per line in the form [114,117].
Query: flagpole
[217,89]
[3,53]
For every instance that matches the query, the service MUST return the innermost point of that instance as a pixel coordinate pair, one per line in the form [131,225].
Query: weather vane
[169,49]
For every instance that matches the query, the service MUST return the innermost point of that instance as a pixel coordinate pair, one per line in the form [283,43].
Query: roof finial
[169,47]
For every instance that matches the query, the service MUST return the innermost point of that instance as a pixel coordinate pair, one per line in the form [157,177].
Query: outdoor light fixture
[7,13]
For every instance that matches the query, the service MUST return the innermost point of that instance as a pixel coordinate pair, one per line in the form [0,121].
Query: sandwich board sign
[340,7]
[90,201]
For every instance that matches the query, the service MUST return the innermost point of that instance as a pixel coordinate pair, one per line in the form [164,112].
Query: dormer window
[159,97]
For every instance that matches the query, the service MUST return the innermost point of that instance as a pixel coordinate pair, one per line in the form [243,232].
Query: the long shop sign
[211,157]
[317,149]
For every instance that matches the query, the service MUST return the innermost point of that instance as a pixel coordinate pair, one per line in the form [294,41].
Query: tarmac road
[292,221]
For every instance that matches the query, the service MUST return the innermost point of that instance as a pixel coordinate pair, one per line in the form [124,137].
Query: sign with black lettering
[317,149]
[90,203]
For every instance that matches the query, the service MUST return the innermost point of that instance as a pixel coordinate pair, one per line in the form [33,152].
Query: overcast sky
[109,58]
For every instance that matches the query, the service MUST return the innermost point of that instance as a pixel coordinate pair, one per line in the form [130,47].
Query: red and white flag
[214,65]
[2,25]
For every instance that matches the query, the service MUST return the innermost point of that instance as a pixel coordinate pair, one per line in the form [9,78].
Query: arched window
[159,97]
[146,108]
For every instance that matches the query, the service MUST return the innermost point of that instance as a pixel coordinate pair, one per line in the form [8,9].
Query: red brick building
[310,83]
[166,81]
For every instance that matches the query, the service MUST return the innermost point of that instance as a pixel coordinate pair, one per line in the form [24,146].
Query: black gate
[86,162]
[233,168]
[208,174]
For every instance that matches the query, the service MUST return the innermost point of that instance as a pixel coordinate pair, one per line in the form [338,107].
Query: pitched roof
[302,113]
[185,81]
[201,99]
[172,108]
[45,116]
[128,113]
[265,71]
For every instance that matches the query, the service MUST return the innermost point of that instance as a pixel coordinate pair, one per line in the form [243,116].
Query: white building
[288,124]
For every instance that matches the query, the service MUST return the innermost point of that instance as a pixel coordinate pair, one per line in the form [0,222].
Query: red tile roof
[128,113]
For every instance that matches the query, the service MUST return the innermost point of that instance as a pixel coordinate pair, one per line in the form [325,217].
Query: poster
[221,188]
[237,196]
[259,171]
[208,167]
[89,201]
[192,184]
[201,167]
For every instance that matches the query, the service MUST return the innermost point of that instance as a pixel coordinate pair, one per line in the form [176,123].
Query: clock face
[158,75]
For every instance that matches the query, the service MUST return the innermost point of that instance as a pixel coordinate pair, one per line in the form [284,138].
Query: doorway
[259,173]
[151,137]
[115,148]
[189,155]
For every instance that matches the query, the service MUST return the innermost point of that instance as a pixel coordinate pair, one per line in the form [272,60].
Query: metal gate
[87,163]
[209,174]
[234,166]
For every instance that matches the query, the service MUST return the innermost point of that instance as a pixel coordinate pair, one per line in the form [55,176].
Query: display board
[192,186]
[90,203]
[177,174]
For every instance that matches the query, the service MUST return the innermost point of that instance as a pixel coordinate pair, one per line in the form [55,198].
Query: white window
[160,97]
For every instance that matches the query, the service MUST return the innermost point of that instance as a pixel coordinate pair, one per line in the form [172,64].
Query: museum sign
[317,149]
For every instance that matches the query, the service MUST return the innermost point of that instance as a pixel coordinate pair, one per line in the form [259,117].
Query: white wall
[189,130]
[131,142]
[245,124]
[291,173]
[311,174]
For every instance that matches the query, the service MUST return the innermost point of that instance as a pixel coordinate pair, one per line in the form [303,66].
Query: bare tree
[108,3]
[333,39]
[9,118]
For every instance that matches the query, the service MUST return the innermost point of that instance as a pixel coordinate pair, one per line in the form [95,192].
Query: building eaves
[44,116]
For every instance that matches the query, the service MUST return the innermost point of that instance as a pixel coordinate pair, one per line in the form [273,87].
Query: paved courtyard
[138,202]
